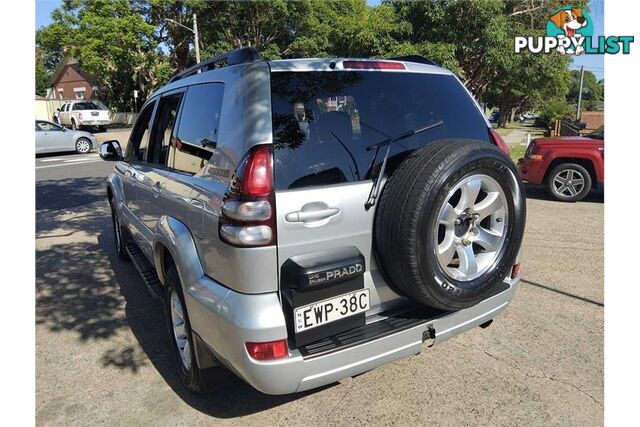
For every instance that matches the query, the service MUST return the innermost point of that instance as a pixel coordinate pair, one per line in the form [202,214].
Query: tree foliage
[135,44]
[42,75]
[592,90]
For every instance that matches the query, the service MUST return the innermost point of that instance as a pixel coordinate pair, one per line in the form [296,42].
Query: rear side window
[197,133]
[325,123]
[139,140]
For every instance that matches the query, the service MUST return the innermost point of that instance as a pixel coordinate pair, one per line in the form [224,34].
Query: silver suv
[308,220]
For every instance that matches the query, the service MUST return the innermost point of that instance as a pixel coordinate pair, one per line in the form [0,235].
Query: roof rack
[415,58]
[235,57]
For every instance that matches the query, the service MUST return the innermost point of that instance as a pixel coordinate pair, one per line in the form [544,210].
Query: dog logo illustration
[570,25]
[570,32]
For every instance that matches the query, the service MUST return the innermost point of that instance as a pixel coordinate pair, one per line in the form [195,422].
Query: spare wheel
[450,222]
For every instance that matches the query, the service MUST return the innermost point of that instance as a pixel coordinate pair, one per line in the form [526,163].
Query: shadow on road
[82,286]
[227,395]
[69,193]
[539,192]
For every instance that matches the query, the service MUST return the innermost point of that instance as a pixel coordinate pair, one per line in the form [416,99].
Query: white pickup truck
[82,113]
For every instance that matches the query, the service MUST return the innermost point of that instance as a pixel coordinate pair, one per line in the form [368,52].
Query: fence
[46,108]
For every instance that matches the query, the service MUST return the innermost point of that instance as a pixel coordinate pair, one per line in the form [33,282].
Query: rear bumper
[94,122]
[226,320]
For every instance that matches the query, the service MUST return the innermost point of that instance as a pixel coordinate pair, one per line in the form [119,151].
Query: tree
[42,74]
[111,42]
[592,90]
[267,26]
[174,37]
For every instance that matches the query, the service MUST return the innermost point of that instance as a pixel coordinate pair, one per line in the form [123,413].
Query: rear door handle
[311,215]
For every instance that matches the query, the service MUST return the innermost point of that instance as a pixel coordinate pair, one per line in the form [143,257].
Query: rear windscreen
[325,123]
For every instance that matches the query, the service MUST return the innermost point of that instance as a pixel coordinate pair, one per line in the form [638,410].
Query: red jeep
[569,166]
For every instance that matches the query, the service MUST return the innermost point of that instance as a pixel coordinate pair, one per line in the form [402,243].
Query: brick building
[70,82]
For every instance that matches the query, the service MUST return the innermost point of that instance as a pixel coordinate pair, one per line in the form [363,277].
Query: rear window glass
[323,122]
[85,106]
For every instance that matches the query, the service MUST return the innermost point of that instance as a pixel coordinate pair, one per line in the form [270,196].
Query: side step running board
[146,270]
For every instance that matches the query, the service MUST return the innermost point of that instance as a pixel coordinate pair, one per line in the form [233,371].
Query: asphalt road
[102,358]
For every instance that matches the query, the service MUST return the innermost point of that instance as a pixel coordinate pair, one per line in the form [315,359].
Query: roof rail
[416,58]
[235,57]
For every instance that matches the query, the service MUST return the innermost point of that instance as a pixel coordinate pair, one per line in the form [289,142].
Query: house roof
[60,67]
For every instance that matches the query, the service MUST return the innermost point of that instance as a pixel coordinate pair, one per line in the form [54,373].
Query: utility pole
[194,30]
[197,43]
[580,93]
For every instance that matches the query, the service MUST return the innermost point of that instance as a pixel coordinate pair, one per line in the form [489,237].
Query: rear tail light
[248,210]
[499,142]
[373,65]
[267,350]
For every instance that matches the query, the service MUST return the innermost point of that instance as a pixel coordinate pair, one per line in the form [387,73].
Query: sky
[593,63]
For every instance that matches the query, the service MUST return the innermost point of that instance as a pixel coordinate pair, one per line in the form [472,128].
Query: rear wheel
[569,182]
[450,223]
[180,334]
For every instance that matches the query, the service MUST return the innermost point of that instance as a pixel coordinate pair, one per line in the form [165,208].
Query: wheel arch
[582,161]
[114,191]
[174,243]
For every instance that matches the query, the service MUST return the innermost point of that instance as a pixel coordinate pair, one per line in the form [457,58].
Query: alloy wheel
[179,330]
[471,227]
[568,183]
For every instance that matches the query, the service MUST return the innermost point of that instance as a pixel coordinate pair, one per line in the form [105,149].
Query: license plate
[332,309]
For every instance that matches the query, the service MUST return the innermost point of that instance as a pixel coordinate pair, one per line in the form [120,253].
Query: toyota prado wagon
[308,220]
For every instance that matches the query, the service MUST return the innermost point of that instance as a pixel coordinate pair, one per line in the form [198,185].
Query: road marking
[77,160]
[66,164]
[70,159]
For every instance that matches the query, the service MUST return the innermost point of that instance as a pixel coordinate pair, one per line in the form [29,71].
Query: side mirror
[57,109]
[111,151]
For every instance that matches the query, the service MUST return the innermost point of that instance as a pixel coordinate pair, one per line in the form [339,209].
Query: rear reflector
[515,271]
[373,65]
[499,142]
[267,350]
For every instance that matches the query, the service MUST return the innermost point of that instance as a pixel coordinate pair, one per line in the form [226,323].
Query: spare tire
[450,222]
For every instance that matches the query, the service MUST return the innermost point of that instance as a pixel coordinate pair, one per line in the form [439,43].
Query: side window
[163,131]
[197,133]
[139,141]
[46,126]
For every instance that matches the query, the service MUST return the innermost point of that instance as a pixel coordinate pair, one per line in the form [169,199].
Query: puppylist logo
[570,31]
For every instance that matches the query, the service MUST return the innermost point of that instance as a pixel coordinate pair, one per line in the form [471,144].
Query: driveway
[102,356]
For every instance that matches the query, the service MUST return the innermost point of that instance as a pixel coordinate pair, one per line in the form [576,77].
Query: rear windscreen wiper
[375,189]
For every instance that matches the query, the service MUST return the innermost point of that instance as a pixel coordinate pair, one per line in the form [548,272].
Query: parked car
[82,114]
[569,166]
[529,116]
[308,220]
[52,138]
[494,117]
